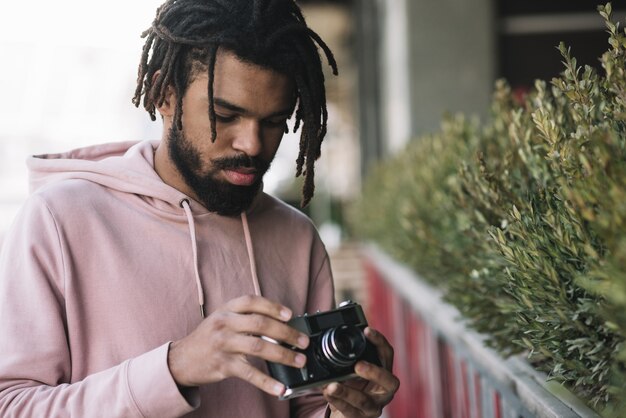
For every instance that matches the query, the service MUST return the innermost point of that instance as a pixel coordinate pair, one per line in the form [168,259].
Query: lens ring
[329,351]
[335,354]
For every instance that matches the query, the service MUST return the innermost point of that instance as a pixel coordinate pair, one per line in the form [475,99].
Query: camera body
[337,342]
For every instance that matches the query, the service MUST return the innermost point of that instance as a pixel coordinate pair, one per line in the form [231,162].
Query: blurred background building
[419,59]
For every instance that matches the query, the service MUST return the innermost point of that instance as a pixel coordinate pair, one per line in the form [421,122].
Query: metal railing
[445,369]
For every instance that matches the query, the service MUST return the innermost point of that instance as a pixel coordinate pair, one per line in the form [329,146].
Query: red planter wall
[436,380]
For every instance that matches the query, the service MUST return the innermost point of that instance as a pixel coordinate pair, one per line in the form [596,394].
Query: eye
[224,118]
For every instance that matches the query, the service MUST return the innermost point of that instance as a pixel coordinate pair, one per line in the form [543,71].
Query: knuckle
[267,382]
[367,404]
[284,356]
[248,374]
[219,341]
[259,322]
[247,299]
[396,384]
[371,411]
[293,333]
[287,355]
[224,369]
[277,308]
[256,345]
[220,321]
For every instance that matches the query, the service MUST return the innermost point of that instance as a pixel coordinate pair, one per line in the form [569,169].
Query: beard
[216,195]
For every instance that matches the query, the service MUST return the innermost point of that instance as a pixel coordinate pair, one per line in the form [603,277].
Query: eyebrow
[234,108]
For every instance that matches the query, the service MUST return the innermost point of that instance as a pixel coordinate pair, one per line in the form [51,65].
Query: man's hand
[217,349]
[365,397]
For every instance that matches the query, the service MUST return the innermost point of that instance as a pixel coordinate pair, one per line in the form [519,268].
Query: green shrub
[522,221]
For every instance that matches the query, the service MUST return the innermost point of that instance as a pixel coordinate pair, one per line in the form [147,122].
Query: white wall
[68,72]
[453,59]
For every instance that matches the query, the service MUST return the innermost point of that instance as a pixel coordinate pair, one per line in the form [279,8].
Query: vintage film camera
[337,342]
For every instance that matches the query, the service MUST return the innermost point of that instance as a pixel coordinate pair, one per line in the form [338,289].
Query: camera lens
[342,346]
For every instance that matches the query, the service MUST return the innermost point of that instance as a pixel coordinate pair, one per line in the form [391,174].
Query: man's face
[252,105]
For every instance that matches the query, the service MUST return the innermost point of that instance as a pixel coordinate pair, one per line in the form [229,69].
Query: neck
[165,168]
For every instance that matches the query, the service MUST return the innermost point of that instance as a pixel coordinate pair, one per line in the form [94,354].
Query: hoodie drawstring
[246,233]
[184,203]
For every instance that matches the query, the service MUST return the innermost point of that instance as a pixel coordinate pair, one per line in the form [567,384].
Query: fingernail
[300,360]
[303,341]
[370,332]
[333,388]
[285,313]
[278,389]
[363,367]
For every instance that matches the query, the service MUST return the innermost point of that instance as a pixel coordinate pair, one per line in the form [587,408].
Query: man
[137,278]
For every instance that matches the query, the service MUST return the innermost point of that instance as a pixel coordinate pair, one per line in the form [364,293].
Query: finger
[260,305]
[379,376]
[262,325]
[344,407]
[351,401]
[251,374]
[257,347]
[357,383]
[385,351]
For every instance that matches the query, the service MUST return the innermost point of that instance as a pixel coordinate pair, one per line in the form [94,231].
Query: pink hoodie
[105,265]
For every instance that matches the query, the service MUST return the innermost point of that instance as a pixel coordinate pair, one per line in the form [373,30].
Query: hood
[129,167]
[123,166]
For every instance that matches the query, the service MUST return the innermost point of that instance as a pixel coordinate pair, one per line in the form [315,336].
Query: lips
[241,177]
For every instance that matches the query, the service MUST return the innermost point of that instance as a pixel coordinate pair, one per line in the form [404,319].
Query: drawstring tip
[202,314]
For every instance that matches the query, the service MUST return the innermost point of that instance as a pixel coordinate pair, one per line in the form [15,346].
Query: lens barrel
[342,346]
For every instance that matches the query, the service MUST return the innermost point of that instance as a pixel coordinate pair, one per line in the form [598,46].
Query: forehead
[245,84]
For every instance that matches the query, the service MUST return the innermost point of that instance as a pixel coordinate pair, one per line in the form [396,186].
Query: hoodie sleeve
[321,297]
[35,361]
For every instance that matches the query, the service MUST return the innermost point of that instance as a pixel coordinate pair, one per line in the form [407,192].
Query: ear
[168,107]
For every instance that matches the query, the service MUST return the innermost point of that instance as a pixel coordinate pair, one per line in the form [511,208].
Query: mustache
[241,161]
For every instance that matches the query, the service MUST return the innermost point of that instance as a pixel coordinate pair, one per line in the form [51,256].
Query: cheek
[196,124]
[204,148]
[271,148]
[197,131]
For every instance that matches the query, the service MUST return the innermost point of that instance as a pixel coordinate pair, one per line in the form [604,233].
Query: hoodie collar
[123,166]
[129,167]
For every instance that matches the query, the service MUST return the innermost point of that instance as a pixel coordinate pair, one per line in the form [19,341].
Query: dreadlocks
[184,39]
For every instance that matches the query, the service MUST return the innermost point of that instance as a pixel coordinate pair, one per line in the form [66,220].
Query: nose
[248,139]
